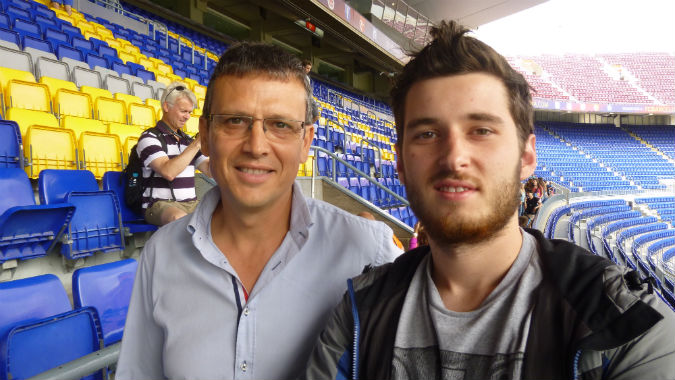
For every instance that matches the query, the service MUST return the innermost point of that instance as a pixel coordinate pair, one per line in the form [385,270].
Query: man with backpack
[168,157]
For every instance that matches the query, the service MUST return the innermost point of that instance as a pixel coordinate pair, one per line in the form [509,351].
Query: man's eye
[425,135]
[482,131]
[234,121]
[280,124]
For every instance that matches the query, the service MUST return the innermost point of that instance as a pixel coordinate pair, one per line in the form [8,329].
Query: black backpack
[133,191]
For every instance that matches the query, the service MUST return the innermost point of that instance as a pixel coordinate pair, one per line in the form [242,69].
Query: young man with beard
[486,299]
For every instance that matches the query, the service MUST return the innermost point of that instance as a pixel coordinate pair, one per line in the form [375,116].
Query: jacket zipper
[575,363]
[357,331]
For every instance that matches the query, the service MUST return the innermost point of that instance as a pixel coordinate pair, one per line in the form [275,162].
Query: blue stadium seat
[33,348]
[15,13]
[96,225]
[107,288]
[121,68]
[36,43]
[27,230]
[96,44]
[10,145]
[94,60]
[134,67]
[116,182]
[65,51]
[145,75]
[71,31]
[80,43]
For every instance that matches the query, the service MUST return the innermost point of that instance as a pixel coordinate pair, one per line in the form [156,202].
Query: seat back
[25,118]
[117,84]
[7,74]
[16,59]
[106,287]
[33,348]
[96,225]
[143,91]
[31,299]
[111,110]
[81,124]
[95,93]
[49,148]
[28,95]
[55,184]
[56,84]
[192,126]
[85,77]
[10,145]
[100,152]
[16,189]
[128,99]
[143,115]
[73,103]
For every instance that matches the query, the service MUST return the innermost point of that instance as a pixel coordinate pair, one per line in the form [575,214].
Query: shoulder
[168,240]
[328,216]
[397,273]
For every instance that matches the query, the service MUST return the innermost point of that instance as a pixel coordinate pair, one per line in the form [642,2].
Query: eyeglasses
[238,126]
[177,88]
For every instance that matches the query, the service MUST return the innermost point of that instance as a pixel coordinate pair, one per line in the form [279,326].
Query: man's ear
[399,162]
[165,107]
[204,135]
[528,159]
[307,141]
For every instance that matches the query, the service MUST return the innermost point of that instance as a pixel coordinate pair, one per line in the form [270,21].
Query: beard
[451,229]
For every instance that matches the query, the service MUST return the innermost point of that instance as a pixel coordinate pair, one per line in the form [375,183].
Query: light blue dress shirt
[189,316]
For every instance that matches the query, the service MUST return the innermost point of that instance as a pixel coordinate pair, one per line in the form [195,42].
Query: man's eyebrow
[414,123]
[483,116]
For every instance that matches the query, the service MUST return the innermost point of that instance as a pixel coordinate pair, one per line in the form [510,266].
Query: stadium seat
[157,105]
[73,103]
[143,91]
[85,77]
[33,348]
[25,118]
[100,152]
[49,148]
[28,95]
[192,126]
[95,93]
[27,230]
[7,74]
[107,288]
[8,38]
[56,84]
[128,99]
[127,146]
[110,110]
[81,124]
[142,115]
[96,225]
[116,84]
[11,153]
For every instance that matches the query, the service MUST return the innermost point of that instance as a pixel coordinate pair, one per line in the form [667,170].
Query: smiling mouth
[449,189]
[254,171]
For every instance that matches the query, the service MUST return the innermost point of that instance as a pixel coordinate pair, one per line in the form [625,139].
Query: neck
[466,274]
[249,237]
[174,130]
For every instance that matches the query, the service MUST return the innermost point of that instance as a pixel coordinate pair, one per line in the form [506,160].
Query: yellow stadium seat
[128,99]
[75,103]
[100,152]
[64,16]
[113,43]
[163,79]
[57,84]
[49,148]
[200,103]
[127,57]
[141,114]
[131,49]
[82,124]
[190,83]
[123,130]
[174,78]
[96,93]
[147,63]
[200,91]
[85,27]
[197,112]
[25,118]
[128,144]
[164,69]
[157,105]
[108,109]
[309,165]
[28,95]
[89,34]
[192,126]
[7,74]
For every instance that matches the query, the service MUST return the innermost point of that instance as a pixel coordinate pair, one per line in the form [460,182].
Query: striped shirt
[158,188]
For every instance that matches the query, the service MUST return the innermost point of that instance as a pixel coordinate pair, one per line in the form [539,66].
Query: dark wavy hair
[452,52]
[246,58]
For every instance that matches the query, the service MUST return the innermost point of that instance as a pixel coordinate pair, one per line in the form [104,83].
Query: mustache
[447,174]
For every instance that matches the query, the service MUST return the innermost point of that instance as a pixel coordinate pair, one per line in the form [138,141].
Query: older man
[486,299]
[242,287]
[169,158]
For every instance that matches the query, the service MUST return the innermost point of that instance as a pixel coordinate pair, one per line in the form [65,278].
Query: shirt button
[243,366]
[246,311]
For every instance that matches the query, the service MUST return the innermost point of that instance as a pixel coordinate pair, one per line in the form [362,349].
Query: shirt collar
[301,219]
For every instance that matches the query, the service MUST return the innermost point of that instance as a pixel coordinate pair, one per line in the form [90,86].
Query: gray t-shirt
[433,342]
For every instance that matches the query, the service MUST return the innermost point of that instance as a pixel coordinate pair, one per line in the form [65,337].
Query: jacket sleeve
[331,357]
[649,356]
[143,341]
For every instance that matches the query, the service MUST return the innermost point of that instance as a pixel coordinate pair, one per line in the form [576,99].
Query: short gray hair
[172,94]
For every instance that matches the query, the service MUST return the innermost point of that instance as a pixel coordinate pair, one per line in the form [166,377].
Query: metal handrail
[353,168]
[116,6]
[378,168]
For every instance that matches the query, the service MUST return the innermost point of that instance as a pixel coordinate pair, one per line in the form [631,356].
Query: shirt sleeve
[143,341]
[149,148]
[389,251]
[331,357]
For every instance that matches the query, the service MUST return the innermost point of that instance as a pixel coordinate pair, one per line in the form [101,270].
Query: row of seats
[40,330]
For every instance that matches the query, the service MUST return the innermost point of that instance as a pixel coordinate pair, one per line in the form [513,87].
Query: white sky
[585,26]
